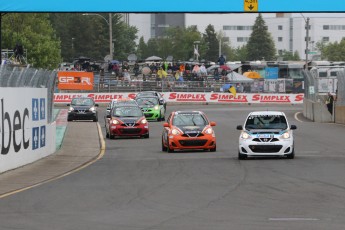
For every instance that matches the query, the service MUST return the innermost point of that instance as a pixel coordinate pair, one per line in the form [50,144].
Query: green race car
[152,108]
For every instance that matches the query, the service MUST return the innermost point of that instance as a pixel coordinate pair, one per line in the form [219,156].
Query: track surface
[136,186]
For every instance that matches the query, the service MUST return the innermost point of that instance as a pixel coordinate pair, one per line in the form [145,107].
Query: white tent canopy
[234,76]
[153,58]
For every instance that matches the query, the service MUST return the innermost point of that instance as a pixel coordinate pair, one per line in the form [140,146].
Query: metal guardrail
[24,76]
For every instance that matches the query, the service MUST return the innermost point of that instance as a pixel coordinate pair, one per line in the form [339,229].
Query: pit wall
[187,97]
[25,134]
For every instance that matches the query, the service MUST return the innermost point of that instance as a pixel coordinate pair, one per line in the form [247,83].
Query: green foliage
[333,51]
[35,33]
[240,53]
[260,45]
[289,56]
[88,35]
[211,43]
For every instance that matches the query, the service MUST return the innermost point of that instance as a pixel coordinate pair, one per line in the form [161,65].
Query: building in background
[288,30]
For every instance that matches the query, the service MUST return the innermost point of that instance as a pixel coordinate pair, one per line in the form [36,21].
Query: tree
[35,33]
[241,53]
[89,35]
[334,51]
[289,56]
[142,49]
[211,43]
[260,45]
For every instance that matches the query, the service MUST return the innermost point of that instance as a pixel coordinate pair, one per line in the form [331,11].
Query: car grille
[265,148]
[192,142]
[193,135]
[265,139]
[148,115]
[130,131]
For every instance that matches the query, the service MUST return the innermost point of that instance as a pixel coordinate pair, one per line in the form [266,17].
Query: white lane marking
[296,116]
[293,219]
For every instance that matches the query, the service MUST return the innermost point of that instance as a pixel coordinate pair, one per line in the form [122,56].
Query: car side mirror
[161,102]
[293,127]
[68,104]
[96,105]
[108,116]
[212,123]
[165,124]
[239,127]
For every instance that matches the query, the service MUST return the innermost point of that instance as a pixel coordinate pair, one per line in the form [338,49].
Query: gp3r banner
[187,97]
[75,80]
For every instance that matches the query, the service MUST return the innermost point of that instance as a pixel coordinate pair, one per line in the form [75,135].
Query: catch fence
[24,76]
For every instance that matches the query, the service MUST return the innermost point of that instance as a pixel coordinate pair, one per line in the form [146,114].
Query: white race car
[266,133]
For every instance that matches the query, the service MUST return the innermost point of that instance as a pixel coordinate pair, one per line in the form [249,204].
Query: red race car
[188,130]
[126,121]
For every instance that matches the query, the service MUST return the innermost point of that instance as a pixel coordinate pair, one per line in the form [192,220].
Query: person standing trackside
[329,103]
[221,60]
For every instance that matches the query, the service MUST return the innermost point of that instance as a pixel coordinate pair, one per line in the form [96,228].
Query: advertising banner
[186,97]
[23,128]
[75,80]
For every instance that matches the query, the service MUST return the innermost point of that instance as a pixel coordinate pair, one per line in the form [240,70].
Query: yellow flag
[232,90]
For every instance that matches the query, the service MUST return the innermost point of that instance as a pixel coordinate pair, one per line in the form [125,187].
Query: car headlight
[285,135]
[143,121]
[245,135]
[175,132]
[115,122]
[70,109]
[92,109]
[209,131]
[156,107]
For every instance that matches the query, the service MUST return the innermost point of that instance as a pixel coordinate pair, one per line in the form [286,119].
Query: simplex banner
[186,97]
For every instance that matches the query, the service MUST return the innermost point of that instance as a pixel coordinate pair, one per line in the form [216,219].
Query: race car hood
[80,107]
[128,120]
[268,131]
[191,129]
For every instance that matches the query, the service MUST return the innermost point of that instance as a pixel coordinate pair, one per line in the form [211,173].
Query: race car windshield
[147,101]
[189,120]
[266,122]
[117,103]
[82,102]
[127,112]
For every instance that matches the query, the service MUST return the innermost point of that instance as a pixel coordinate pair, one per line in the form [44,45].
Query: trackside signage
[23,126]
[186,97]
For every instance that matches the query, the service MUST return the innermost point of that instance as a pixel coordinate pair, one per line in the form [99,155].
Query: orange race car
[186,130]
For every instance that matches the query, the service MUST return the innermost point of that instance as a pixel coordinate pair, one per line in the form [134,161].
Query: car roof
[122,99]
[258,113]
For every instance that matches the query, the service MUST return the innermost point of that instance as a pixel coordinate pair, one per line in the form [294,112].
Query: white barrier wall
[25,135]
[186,97]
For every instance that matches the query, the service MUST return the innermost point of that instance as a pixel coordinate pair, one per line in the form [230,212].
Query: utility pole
[307,43]
[111,51]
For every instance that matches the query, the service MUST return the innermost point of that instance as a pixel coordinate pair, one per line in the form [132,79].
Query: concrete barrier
[316,111]
[340,114]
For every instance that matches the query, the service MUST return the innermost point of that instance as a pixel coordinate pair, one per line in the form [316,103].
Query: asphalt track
[135,185]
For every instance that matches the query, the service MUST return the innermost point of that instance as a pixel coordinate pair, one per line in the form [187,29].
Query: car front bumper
[180,142]
[122,130]
[277,148]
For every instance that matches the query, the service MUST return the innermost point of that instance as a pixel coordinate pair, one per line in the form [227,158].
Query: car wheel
[164,148]
[95,119]
[213,149]
[111,136]
[291,155]
[146,135]
[169,149]
[106,134]
[241,156]
[69,119]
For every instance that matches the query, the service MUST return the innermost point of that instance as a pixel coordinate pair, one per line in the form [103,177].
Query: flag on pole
[196,52]
[232,90]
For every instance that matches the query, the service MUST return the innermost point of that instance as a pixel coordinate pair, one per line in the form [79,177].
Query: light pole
[306,41]
[110,25]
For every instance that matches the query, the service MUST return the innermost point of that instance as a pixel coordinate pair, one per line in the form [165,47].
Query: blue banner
[271,72]
[176,6]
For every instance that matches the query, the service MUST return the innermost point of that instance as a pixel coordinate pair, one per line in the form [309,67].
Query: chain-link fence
[340,90]
[318,83]
[19,76]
